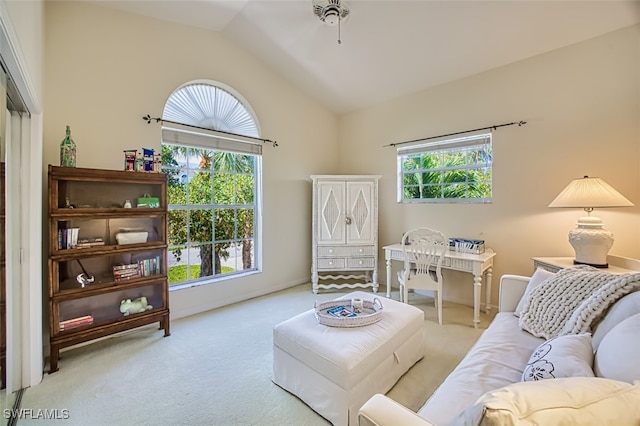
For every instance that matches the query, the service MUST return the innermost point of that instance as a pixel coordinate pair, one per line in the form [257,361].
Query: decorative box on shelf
[463,245]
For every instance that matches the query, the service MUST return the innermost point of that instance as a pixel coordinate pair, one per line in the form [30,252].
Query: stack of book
[90,242]
[142,268]
[76,322]
[126,272]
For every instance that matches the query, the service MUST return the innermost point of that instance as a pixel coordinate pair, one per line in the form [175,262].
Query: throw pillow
[538,276]
[617,355]
[624,308]
[563,356]
[584,401]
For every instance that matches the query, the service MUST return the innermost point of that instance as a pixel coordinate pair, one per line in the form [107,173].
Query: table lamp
[590,240]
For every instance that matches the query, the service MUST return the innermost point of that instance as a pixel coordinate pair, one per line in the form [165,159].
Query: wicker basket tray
[371,313]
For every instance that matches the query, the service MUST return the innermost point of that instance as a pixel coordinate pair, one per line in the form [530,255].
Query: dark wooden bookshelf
[92,200]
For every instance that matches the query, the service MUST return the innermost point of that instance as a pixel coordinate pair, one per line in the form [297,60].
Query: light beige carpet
[216,367]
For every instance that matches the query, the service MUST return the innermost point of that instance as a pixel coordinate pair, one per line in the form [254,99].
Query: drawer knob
[330,250]
[360,262]
[360,250]
[331,262]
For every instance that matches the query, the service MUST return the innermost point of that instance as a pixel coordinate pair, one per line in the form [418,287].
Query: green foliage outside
[221,179]
[464,173]
[178,274]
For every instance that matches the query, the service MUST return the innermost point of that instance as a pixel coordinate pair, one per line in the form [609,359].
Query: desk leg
[388,278]
[477,288]
[314,281]
[375,280]
[487,303]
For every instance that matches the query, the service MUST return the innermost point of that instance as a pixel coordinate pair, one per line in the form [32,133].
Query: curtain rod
[519,123]
[149,119]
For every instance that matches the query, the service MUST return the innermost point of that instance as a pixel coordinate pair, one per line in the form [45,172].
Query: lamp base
[595,265]
[591,242]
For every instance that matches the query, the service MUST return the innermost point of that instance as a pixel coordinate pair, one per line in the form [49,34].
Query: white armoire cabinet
[345,232]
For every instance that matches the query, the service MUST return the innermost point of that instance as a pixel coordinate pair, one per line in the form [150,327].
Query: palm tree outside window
[214,184]
[446,171]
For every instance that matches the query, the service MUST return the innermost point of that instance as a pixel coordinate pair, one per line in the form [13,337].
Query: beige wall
[582,107]
[106,69]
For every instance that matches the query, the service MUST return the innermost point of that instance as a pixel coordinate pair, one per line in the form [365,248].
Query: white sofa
[487,385]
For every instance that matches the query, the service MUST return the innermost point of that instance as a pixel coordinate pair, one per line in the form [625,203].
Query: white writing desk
[477,264]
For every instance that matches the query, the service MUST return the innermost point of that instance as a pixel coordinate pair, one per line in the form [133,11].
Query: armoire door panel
[360,212]
[331,213]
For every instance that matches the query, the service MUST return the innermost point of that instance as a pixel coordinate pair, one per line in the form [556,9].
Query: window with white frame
[214,185]
[447,170]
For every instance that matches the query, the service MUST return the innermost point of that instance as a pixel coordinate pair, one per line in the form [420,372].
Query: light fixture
[590,240]
[331,12]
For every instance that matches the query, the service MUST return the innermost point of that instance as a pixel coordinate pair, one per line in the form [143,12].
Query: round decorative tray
[338,313]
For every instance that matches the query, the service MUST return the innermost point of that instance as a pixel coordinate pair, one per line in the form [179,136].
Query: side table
[617,264]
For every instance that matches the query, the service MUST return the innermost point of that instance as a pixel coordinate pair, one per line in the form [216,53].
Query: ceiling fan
[331,12]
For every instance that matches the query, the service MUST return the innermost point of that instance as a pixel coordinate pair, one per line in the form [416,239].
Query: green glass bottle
[68,151]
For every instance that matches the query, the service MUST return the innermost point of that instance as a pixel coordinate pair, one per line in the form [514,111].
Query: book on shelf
[142,268]
[76,322]
[67,238]
[126,272]
[125,266]
[150,266]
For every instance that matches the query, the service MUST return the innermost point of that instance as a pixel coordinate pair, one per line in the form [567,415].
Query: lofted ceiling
[392,47]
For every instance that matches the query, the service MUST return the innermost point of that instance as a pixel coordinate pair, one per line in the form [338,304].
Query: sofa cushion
[573,400]
[624,308]
[538,276]
[617,355]
[496,360]
[563,356]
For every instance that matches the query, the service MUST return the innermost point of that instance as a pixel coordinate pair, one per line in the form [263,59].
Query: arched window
[211,107]
[214,184]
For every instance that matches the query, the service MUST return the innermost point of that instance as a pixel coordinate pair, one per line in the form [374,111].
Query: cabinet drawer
[331,263]
[360,262]
[345,251]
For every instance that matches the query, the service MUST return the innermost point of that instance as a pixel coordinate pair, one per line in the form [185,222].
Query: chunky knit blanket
[573,300]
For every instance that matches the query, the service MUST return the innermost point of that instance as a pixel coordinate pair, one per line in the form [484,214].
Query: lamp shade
[588,193]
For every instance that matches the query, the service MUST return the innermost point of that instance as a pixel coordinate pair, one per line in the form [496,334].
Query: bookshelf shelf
[90,274]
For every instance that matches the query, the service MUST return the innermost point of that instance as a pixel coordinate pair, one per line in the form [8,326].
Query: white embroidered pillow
[563,356]
[538,276]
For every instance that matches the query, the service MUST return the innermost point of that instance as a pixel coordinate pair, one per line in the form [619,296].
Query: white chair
[424,250]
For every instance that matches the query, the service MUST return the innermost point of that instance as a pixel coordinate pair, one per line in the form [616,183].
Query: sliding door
[21,152]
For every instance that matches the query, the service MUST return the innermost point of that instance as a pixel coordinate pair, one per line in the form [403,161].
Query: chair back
[424,251]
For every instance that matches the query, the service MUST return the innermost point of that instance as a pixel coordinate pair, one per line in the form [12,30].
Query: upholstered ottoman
[336,370]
